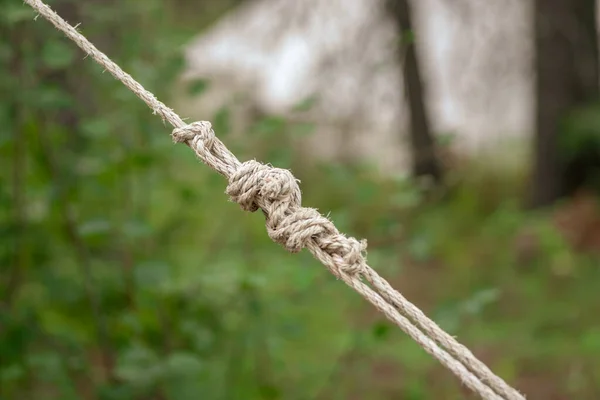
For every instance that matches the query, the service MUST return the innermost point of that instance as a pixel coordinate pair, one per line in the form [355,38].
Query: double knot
[276,192]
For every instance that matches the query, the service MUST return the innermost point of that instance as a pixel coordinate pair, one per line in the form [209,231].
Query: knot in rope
[201,138]
[276,192]
[255,185]
[348,254]
[196,131]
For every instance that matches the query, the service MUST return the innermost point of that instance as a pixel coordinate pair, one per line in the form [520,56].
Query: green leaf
[151,274]
[136,229]
[183,371]
[11,373]
[95,227]
[381,330]
[47,363]
[476,303]
[66,326]
[140,366]
[57,54]
[269,125]
[48,98]
[201,337]
[115,392]
[144,158]
[183,364]
[197,87]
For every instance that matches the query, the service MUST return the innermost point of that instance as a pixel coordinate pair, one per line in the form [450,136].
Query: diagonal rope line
[276,192]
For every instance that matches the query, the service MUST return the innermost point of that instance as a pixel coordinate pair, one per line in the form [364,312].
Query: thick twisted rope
[276,192]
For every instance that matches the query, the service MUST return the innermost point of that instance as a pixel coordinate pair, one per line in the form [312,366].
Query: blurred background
[461,138]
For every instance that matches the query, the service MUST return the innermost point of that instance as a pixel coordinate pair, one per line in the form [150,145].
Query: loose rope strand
[276,192]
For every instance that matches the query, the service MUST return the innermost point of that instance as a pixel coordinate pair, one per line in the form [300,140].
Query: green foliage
[127,275]
[581,130]
[197,87]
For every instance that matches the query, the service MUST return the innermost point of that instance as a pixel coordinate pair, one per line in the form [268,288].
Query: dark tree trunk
[567,77]
[425,161]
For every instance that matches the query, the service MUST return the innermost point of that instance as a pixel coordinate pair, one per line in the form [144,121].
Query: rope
[275,191]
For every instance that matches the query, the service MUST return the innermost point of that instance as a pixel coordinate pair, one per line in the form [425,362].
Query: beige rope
[276,192]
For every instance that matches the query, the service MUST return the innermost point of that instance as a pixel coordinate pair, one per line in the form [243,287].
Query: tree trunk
[567,77]
[425,161]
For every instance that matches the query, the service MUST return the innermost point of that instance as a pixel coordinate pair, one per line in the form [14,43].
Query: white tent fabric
[476,59]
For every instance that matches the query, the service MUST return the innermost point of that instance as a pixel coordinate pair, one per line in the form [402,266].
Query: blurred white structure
[476,58]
